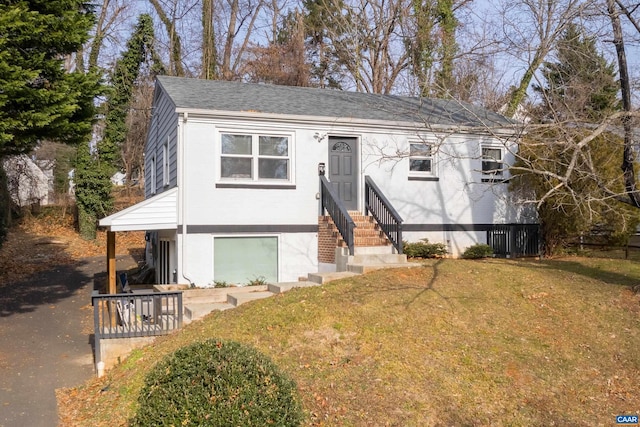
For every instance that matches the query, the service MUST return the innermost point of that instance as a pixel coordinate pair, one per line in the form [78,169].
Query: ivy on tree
[123,80]
[94,169]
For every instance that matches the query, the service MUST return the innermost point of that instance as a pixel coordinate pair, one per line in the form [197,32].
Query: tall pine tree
[570,180]
[581,84]
[39,99]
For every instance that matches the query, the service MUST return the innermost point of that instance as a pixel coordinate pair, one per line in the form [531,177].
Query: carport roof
[159,212]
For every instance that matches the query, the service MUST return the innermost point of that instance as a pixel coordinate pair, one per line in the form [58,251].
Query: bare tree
[169,14]
[240,18]
[111,17]
[629,157]
[137,123]
[531,29]
[368,42]
[284,60]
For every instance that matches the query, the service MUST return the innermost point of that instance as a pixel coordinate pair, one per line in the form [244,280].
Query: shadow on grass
[388,282]
[586,267]
[429,285]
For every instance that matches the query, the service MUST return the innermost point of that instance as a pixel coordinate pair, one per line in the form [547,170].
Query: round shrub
[477,251]
[424,249]
[218,383]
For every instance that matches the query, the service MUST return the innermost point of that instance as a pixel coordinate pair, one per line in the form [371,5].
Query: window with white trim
[165,162]
[255,157]
[421,160]
[152,173]
[492,166]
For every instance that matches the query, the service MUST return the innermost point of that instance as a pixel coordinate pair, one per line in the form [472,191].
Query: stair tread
[278,288]
[240,298]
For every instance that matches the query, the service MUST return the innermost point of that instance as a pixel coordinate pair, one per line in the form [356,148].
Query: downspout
[182,191]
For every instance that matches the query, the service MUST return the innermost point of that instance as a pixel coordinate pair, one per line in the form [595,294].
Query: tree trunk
[5,204]
[209,54]
[448,24]
[628,157]
[175,45]
[519,93]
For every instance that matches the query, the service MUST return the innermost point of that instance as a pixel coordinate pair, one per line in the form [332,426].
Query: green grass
[457,342]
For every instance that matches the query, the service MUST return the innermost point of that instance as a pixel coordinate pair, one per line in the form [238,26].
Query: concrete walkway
[46,330]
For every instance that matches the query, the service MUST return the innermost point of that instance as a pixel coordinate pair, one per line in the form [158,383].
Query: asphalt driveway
[46,341]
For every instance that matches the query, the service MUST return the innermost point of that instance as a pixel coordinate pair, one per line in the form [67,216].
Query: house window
[255,157]
[152,177]
[421,161]
[165,162]
[231,254]
[492,167]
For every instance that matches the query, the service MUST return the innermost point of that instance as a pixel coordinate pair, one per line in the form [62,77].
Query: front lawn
[456,342]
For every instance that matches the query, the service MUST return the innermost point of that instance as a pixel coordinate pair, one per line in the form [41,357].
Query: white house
[233,175]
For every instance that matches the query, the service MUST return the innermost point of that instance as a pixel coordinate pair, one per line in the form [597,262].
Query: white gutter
[504,130]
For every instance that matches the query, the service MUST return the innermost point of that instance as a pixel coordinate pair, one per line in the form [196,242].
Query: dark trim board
[313,228]
[451,227]
[251,228]
[424,178]
[257,186]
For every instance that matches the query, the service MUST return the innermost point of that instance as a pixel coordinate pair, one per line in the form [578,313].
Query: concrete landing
[322,278]
[365,268]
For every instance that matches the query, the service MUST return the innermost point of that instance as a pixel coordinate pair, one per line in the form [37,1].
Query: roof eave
[500,131]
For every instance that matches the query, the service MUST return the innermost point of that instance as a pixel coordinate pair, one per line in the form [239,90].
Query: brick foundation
[367,233]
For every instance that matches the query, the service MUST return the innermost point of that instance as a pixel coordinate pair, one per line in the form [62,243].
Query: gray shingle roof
[301,101]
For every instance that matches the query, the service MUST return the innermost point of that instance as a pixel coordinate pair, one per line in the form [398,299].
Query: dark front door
[343,171]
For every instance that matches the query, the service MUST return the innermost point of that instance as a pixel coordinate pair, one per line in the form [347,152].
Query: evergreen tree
[578,206]
[570,178]
[581,85]
[93,191]
[39,99]
[318,21]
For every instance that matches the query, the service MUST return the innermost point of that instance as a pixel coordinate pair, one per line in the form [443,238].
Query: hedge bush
[424,249]
[477,251]
[218,383]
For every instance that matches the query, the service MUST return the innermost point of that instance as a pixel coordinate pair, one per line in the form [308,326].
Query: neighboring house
[28,184]
[233,187]
[118,179]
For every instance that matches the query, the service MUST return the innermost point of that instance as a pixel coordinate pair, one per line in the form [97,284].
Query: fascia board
[349,121]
